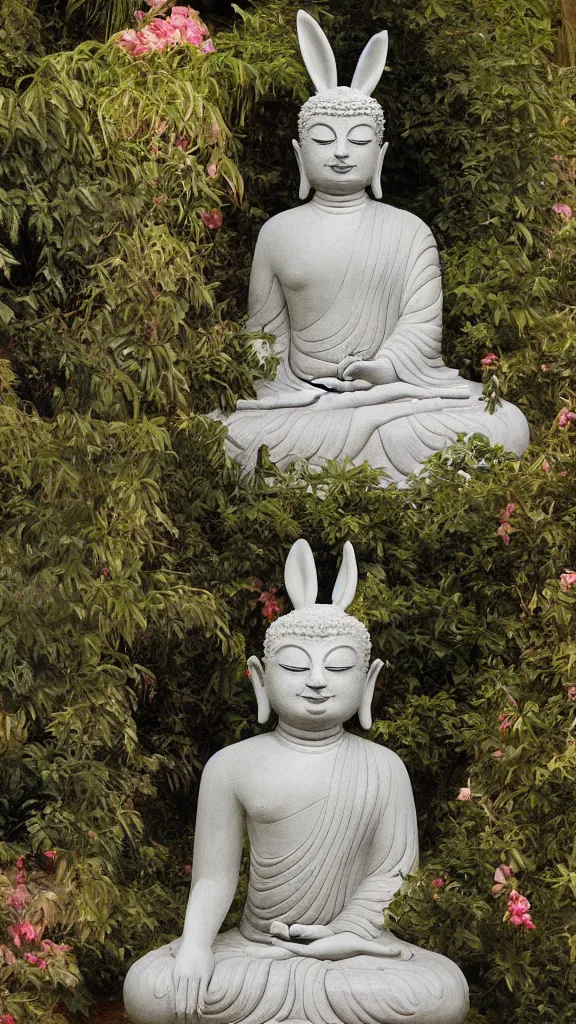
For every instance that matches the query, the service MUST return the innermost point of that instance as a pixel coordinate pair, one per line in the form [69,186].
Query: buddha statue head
[340,128]
[316,671]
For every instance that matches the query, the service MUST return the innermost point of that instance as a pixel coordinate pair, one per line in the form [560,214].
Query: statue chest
[287,787]
[312,268]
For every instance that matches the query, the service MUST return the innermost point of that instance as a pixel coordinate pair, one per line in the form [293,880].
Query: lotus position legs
[332,828]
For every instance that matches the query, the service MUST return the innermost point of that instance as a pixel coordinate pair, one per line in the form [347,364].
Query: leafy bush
[132,556]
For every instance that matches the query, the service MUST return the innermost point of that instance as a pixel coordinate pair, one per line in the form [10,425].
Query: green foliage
[130,550]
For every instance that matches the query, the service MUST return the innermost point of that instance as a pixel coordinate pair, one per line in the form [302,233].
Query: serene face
[315,684]
[340,154]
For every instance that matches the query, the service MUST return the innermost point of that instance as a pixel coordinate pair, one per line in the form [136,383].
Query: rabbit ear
[300,575]
[347,579]
[371,64]
[316,52]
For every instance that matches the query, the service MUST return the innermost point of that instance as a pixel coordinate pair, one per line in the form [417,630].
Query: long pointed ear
[376,183]
[316,53]
[300,575]
[347,579]
[256,670]
[371,64]
[365,709]
[304,186]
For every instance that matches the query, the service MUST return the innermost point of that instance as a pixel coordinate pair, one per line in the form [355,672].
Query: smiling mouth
[342,168]
[316,700]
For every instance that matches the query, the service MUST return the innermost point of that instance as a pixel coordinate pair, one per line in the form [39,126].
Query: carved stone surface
[351,290]
[332,829]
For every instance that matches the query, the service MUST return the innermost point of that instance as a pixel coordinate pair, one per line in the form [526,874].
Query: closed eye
[294,668]
[339,668]
[323,142]
[358,142]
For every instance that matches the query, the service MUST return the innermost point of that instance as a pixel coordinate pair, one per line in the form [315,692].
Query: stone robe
[341,870]
[370,289]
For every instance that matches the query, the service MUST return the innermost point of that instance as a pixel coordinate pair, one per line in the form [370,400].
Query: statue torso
[328,263]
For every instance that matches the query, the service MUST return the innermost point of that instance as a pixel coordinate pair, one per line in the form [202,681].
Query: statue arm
[267,310]
[393,854]
[412,353]
[414,347]
[217,854]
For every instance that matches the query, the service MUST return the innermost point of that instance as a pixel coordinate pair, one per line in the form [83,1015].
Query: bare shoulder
[234,760]
[283,224]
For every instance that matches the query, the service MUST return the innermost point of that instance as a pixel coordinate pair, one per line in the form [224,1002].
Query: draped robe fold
[343,873]
[387,303]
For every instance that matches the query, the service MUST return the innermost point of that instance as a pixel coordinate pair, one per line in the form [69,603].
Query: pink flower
[510,508]
[567,581]
[19,897]
[48,946]
[212,170]
[437,883]
[182,25]
[155,3]
[565,417]
[563,210]
[518,911]
[128,40]
[496,753]
[22,930]
[544,367]
[549,253]
[215,130]
[504,531]
[211,219]
[489,360]
[572,693]
[502,873]
[505,723]
[501,876]
[20,863]
[270,606]
[183,142]
[36,961]
[545,466]
[51,854]
[7,1018]
[465,793]
[187,869]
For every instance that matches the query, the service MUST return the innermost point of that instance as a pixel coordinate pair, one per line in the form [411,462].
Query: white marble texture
[351,290]
[332,829]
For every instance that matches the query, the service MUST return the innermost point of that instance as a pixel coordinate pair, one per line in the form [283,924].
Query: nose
[316,681]
[342,148]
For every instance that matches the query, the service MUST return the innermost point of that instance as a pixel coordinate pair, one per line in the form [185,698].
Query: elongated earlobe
[365,709]
[256,670]
[304,189]
[376,184]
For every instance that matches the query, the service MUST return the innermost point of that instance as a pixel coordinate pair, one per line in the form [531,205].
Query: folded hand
[376,371]
[343,945]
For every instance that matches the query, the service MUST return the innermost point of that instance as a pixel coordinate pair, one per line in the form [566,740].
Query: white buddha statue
[332,829]
[351,290]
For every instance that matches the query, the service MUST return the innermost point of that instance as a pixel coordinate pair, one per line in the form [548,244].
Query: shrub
[133,557]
